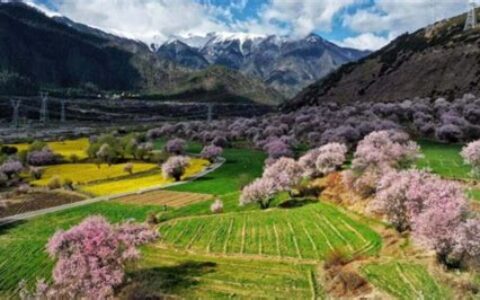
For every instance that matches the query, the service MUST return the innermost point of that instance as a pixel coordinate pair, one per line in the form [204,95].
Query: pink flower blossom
[260,191]
[91,258]
[175,167]
[471,155]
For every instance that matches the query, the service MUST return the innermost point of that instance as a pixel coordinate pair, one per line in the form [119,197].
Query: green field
[190,276]
[241,167]
[309,232]
[405,281]
[474,194]
[444,160]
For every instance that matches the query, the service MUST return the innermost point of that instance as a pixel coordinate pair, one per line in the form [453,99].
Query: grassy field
[405,281]
[241,167]
[86,173]
[135,183]
[474,194]
[191,276]
[66,148]
[309,232]
[444,159]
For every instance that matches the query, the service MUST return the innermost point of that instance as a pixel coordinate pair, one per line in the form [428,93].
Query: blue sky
[364,24]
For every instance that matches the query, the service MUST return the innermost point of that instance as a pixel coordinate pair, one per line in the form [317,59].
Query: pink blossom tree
[285,172]
[11,168]
[217,206]
[441,207]
[277,148]
[91,258]
[41,157]
[467,240]
[378,153]
[308,163]
[330,157]
[471,156]
[211,153]
[175,167]
[260,191]
[395,197]
[175,146]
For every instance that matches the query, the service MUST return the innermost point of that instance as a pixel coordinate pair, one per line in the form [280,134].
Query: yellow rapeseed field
[65,148]
[148,181]
[85,173]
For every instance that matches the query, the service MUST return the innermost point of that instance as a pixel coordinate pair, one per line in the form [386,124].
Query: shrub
[471,156]
[152,219]
[260,191]
[54,183]
[68,184]
[128,168]
[175,146]
[217,206]
[175,167]
[3,179]
[211,152]
[74,158]
[91,258]
[36,173]
[330,157]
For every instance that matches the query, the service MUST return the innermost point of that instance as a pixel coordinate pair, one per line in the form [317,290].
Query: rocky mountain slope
[284,64]
[55,53]
[439,60]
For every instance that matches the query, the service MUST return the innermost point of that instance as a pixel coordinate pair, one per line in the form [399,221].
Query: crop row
[310,232]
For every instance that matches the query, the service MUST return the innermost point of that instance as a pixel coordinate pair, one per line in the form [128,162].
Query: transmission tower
[471,17]
[44,108]
[209,112]
[15,106]
[62,112]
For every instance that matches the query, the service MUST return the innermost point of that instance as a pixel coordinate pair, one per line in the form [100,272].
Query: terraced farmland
[191,276]
[168,198]
[405,281]
[310,232]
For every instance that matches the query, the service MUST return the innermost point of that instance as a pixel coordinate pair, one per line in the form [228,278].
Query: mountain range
[441,60]
[52,52]
[285,64]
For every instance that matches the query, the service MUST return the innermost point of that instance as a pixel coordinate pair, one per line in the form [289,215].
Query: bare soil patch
[168,198]
[37,200]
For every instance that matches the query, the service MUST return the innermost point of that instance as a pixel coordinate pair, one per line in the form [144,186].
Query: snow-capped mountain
[283,63]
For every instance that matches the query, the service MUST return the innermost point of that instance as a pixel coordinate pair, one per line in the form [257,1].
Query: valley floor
[244,252]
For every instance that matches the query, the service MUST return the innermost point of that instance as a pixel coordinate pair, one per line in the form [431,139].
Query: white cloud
[399,16]
[157,20]
[304,16]
[365,41]
[146,20]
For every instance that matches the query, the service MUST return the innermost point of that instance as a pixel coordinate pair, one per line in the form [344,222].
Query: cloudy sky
[363,24]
